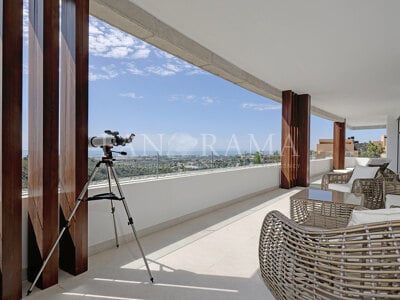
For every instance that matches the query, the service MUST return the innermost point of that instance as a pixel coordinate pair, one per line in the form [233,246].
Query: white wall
[351,162]
[320,166]
[391,149]
[156,203]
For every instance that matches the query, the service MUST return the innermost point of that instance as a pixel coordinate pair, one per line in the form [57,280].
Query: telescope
[106,143]
[113,139]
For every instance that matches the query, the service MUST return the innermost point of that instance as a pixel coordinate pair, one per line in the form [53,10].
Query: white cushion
[341,187]
[363,172]
[374,215]
[392,200]
[343,171]
[378,161]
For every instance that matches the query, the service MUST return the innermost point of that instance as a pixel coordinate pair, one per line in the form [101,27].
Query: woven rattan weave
[359,262]
[327,209]
[372,188]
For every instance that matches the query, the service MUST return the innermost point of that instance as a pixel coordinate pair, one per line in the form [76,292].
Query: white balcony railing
[156,203]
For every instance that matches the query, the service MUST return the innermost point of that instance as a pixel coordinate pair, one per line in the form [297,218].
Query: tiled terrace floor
[214,256]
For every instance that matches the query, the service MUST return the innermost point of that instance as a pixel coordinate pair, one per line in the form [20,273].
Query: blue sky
[173,106]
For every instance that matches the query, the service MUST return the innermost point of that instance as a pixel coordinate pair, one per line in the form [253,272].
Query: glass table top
[329,196]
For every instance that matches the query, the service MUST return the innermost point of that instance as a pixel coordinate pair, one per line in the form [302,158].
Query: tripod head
[108,153]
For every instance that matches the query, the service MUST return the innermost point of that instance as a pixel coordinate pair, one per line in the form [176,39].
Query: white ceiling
[344,53]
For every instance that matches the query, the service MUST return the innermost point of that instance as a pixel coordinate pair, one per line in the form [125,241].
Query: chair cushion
[378,161]
[341,187]
[374,215]
[392,200]
[363,172]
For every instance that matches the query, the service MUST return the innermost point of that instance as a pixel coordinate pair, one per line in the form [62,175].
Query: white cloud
[93,30]
[141,53]
[104,73]
[163,54]
[160,71]
[260,106]
[197,71]
[131,95]
[25,21]
[131,68]
[205,100]
[118,52]
[177,65]
[25,69]
[172,67]
[109,42]
[106,41]
[182,142]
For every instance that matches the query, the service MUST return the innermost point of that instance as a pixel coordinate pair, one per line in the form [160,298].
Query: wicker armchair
[342,178]
[372,188]
[358,262]
[392,193]
[389,175]
[393,186]
[328,178]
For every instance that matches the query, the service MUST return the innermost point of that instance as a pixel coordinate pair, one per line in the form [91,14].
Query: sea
[98,152]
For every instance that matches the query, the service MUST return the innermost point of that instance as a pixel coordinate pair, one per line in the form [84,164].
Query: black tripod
[107,159]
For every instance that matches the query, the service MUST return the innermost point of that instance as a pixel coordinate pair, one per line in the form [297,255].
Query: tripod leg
[112,206]
[115,224]
[130,222]
[74,209]
[53,248]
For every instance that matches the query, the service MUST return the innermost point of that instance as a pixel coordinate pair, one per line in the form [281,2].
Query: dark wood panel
[74,131]
[295,162]
[303,170]
[339,144]
[10,148]
[287,140]
[43,138]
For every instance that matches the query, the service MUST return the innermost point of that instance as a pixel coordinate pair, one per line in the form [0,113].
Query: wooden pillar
[295,139]
[288,150]
[10,148]
[43,138]
[74,131]
[303,118]
[339,145]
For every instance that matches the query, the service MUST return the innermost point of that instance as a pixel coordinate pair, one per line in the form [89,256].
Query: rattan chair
[343,178]
[372,188]
[392,193]
[358,262]
[393,186]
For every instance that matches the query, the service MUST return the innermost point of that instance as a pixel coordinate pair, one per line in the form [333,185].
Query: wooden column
[43,138]
[288,150]
[10,148]
[339,144]
[74,131]
[303,122]
[295,159]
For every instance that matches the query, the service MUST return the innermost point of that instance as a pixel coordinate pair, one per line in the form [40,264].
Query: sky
[174,107]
